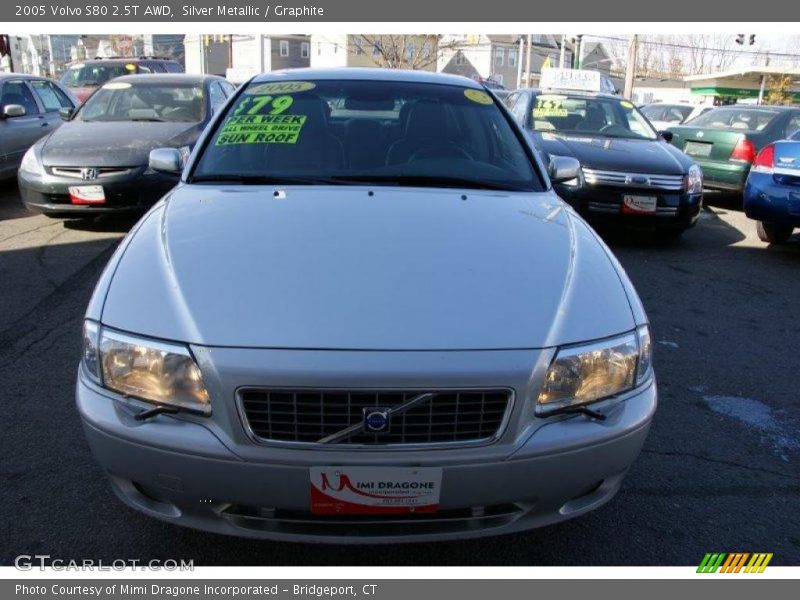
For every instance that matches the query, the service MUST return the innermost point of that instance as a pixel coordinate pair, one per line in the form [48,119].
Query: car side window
[51,97]
[511,99]
[173,67]
[793,126]
[673,115]
[520,109]
[216,96]
[16,92]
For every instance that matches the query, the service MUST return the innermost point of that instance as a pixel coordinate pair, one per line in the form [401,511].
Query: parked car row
[751,151]
[312,228]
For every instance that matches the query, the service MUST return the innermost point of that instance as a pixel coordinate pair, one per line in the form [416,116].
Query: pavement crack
[27,231]
[20,353]
[718,461]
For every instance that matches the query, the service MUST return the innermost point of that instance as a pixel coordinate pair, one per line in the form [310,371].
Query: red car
[84,77]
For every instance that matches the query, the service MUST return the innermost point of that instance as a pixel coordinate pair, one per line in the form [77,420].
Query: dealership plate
[640,205]
[374,490]
[701,149]
[87,194]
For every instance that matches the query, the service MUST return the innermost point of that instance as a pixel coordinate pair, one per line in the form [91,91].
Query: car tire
[773,233]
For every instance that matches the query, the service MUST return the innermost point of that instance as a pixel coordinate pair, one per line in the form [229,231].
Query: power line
[731,50]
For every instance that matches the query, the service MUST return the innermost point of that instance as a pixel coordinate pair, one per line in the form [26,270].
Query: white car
[664,116]
[364,316]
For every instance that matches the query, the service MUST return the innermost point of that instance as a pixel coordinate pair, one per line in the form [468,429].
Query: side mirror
[14,110]
[667,135]
[66,112]
[563,168]
[166,160]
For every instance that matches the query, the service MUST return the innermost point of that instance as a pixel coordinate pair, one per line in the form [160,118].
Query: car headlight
[583,374]
[30,163]
[159,372]
[694,180]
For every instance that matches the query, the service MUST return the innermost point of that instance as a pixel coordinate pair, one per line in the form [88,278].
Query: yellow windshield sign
[280,87]
[478,96]
[549,106]
[261,129]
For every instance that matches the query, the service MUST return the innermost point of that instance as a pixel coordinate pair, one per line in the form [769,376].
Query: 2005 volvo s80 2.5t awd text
[364,316]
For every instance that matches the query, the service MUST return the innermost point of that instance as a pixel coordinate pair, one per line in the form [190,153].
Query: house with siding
[241,56]
[501,58]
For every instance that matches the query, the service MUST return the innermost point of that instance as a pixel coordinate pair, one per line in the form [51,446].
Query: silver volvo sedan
[364,316]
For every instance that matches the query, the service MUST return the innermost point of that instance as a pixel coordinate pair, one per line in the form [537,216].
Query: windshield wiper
[425,181]
[148,120]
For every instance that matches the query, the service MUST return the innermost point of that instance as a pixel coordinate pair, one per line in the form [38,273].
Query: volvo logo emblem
[88,173]
[376,420]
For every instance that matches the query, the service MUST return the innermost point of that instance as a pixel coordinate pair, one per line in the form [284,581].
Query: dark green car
[726,140]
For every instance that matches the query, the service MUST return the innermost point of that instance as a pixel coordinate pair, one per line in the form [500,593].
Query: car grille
[638,180]
[310,416]
[615,209]
[77,172]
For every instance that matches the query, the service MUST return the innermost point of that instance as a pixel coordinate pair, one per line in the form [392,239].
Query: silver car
[364,316]
[30,108]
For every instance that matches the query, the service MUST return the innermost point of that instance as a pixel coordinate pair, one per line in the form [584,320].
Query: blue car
[772,192]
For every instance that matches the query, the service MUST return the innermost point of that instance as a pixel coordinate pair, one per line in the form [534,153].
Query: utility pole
[528,62]
[520,54]
[630,68]
[561,56]
[579,51]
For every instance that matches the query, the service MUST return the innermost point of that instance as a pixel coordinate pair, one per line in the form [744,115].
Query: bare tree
[400,51]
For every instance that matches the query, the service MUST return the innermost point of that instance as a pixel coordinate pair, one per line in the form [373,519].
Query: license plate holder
[639,205]
[374,490]
[87,194]
[701,149]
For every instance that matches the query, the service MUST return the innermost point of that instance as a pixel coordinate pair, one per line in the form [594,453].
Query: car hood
[113,144]
[336,268]
[613,154]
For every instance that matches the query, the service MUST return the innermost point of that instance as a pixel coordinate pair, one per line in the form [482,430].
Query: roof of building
[745,72]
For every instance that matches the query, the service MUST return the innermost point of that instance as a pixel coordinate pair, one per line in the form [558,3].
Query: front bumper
[187,472]
[132,191]
[602,205]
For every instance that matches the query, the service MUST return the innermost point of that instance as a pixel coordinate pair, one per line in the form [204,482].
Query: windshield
[366,132]
[94,74]
[582,115]
[124,101]
[735,118]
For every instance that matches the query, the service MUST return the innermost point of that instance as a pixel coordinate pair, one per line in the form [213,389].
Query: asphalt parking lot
[720,470]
